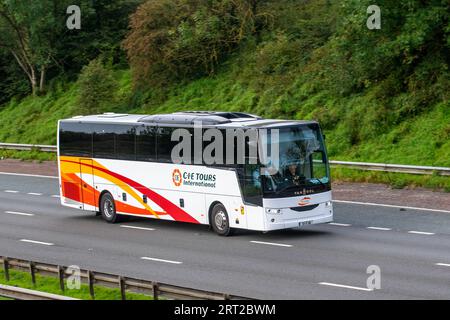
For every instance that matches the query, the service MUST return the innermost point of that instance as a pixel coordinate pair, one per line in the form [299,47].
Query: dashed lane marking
[37,242]
[161,260]
[422,233]
[272,244]
[20,213]
[340,224]
[344,286]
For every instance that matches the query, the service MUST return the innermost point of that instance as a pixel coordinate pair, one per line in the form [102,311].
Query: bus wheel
[108,208]
[220,222]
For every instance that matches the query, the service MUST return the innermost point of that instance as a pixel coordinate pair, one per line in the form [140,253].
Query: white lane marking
[161,260]
[379,228]
[272,244]
[37,242]
[56,196]
[28,175]
[20,213]
[11,191]
[340,224]
[344,286]
[137,228]
[390,206]
[422,232]
[443,264]
[34,194]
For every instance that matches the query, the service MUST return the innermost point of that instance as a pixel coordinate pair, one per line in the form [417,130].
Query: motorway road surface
[411,247]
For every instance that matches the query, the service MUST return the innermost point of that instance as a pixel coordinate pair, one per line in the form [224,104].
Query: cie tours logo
[304,201]
[196,179]
[177,178]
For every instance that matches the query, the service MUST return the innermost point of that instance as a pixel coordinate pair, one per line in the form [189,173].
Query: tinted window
[250,182]
[165,145]
[104,141]
[145,144]
[125,142]
[75,139]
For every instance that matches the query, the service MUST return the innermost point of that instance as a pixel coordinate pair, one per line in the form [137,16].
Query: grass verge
[51,285]
[395,180]
[33,155]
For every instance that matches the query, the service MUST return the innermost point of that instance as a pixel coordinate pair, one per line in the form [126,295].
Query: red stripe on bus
[171,209]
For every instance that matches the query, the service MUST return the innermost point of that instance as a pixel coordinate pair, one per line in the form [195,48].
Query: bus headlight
[328,204]
[273,211]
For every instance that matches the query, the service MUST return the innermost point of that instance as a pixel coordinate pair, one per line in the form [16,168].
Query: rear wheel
[220,221]
[108,208]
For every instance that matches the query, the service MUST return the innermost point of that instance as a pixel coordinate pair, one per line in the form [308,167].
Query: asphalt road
[411,248]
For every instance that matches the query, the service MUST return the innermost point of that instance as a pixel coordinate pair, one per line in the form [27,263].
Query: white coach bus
[119,164]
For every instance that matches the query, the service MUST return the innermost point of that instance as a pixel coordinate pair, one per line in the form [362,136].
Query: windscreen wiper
[317,179]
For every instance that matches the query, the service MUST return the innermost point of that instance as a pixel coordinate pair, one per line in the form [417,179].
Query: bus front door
[87,184]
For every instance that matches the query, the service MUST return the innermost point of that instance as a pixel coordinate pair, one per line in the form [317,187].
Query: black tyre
[108,208]
[220,221]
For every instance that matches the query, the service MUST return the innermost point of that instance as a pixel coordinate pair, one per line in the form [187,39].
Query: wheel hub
[220,220]
[108,208]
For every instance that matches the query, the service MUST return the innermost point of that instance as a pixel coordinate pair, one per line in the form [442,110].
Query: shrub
[97,88]
[180,39]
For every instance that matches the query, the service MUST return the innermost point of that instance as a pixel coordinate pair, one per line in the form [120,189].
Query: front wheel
[108,209]
[220,222]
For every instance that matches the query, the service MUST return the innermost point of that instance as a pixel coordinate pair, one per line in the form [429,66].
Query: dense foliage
[175,40]
[381,95]
[35,43]
[97,88]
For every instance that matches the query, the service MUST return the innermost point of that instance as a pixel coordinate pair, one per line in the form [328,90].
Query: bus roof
[207,118]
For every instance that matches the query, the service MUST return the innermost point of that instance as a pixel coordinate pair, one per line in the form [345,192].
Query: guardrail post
[122,288]
[33,273]
[155,290]
[61,278]
[6,268]
[91,281]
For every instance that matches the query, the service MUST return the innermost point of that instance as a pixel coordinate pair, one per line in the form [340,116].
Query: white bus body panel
[191,189]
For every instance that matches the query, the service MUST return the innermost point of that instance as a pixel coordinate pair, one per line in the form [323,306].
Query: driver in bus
[291,175]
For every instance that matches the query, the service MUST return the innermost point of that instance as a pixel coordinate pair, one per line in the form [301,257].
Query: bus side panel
[192,203]
[255,218]
[233,206]
[89,194]
[71,195]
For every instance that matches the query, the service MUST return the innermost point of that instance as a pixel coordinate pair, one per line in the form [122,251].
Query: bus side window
[164,145]
[126,142]
[75,139]
[104,141]
[146,143]
[250,179]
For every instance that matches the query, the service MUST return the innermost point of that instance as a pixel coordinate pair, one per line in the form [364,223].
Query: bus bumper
[288,219]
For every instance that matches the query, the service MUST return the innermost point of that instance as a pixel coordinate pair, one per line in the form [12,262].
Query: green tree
[97,88]
[34,33]
[178,39]
[104,24]
[27,30]
[13,82]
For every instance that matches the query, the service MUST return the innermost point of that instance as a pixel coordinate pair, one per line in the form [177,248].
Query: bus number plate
[304,223]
